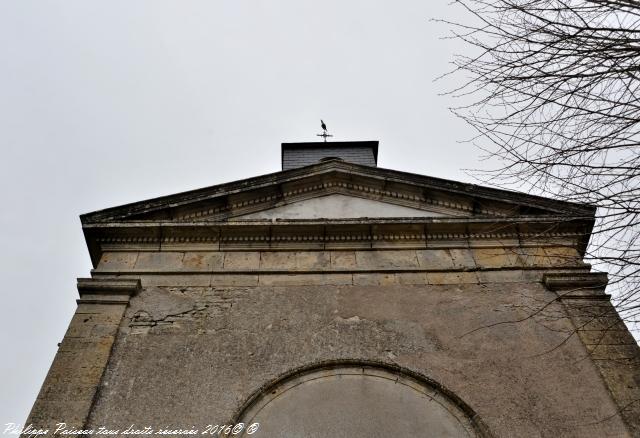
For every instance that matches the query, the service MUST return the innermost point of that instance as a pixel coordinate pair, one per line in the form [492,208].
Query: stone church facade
[339,299]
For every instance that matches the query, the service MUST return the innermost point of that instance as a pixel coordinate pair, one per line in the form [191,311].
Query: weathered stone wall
[454,261]
[609,344]
[194,355]
[70,387]
[210,329]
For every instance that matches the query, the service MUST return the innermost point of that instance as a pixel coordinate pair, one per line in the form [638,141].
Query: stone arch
[358,399]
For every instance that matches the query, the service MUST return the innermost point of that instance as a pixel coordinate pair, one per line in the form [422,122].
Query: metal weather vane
[324,134]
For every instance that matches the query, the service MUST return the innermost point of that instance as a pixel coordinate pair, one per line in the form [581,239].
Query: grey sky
[104,103]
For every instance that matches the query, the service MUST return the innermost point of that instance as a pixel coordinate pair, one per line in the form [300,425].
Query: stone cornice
[327,234]
[106,291]
[312,190]
[391,184]
[522,219]
[577,285]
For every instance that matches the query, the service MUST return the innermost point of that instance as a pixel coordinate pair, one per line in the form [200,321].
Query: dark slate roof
[296,155]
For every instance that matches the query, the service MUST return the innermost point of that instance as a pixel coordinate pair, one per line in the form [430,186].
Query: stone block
[157,261]
[66,363]
[532,275]
[411,277]
[435,259]
[386,259]
[176,280]
[90,376]
[90,330]
[234,280]
[562,256]
[451,277]
[47,413]
[81,391]
[305,279]
[102,330]
[111,317]
[462,258]
[495,257]
[590,322]
[343,260]
[374,279]
[241,260]
[106,311]
[100,349]
[501,276]
[606,337]
[585,310]
[313,260]
[533,256]
[278,260]
[74,376]
[620,375]
[70,389]
[117,261]
[79,327]
[613,352]
[337,279]
[71,345]
[202,261]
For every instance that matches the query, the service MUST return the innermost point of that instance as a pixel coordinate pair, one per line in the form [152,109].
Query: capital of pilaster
[577,286]
[107,290]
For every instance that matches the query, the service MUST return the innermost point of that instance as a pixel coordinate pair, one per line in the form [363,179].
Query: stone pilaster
[68,391]
[607,340]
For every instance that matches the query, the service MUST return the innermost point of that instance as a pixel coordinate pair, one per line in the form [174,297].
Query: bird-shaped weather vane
[324,134]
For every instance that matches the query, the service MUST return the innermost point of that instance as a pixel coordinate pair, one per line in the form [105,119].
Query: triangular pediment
[334,204]
[338,206]
[336,190]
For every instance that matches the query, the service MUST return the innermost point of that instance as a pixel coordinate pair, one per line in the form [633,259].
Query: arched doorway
[355,401]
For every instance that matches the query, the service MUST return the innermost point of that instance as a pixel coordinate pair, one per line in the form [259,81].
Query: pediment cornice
[209,218]
[222,202]
[329,185]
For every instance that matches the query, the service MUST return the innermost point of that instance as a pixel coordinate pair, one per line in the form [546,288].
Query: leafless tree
[552,90]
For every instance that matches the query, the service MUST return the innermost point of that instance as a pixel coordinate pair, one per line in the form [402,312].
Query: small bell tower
[296,155]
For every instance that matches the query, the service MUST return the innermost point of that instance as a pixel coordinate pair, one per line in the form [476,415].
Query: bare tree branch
[554,87]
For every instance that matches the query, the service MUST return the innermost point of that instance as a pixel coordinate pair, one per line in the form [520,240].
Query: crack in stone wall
[160,308]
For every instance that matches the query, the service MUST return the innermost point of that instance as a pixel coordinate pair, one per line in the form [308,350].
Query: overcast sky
[105,103]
